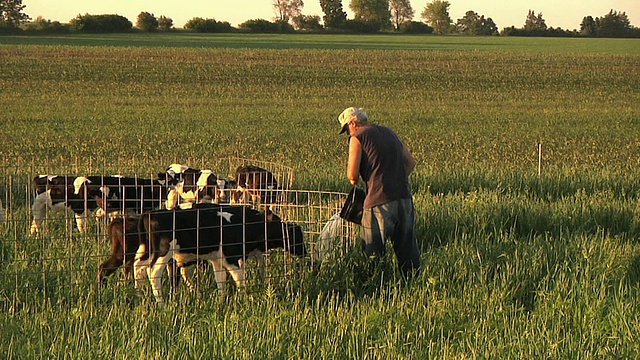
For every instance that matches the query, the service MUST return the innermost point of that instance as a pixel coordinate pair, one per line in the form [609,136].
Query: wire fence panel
[60,262]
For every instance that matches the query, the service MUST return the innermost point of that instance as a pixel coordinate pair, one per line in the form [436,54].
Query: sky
[566,14]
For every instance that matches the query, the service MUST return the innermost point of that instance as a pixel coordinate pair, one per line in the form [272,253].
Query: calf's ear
[268,214]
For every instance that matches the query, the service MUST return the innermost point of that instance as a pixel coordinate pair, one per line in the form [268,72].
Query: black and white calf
[192,185]
[119,195]
[225,235]
[255,184]
[58,193]
[84,194]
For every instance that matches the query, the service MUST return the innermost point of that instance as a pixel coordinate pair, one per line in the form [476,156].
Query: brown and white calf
[127,244]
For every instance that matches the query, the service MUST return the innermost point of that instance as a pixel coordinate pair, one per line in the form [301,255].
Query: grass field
[517,264]
[336,41]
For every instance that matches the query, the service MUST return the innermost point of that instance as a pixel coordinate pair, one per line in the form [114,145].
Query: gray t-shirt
[382,165]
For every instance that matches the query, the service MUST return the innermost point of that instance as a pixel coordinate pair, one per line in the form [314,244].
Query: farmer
[378,156]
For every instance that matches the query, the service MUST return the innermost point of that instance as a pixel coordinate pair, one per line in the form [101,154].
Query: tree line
[370,16]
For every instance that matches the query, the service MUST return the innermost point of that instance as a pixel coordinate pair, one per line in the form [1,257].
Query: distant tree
[334,15]
[436,14]
[41,24]
[287,9]
[199,24]
[559,32]
[474,24]
[415,27]
[401,12]
[375,12]
[165,23]
[535,23]
[510,31]
[101,23]
[266,26]
[147,22]
[550,32]
[11,15]
[307,22]
[614,24]
[361,26]
[588,26]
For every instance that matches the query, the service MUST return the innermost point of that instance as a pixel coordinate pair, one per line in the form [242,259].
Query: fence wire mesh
[61,262]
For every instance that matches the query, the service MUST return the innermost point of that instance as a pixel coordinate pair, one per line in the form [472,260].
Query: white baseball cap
[351,113]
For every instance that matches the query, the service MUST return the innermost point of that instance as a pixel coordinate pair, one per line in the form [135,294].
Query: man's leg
[372,233]
[404,238]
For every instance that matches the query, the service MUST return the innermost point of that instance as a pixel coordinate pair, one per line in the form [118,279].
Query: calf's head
[285,235]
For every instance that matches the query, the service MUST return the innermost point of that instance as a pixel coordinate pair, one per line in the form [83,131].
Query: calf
[125,241]
[127,244]
[58,193]
[118,194]
[41,182]
[192,185]
[256,184]
[83,194]
[225,235]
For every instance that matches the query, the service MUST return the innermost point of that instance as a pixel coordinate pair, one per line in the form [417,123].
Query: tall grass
[515,264]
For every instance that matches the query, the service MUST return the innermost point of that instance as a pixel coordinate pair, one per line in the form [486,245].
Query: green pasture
[522,258]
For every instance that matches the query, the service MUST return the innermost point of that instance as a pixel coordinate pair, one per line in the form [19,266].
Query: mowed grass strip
[336,41]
